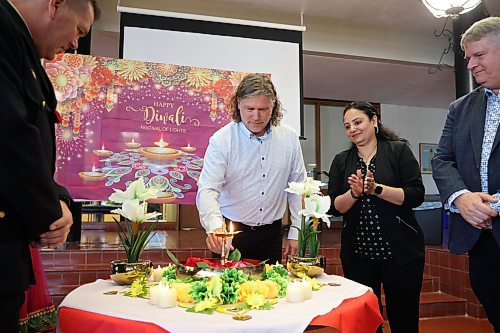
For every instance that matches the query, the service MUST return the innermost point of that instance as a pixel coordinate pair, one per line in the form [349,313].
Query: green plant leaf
[235,255]
[172,257]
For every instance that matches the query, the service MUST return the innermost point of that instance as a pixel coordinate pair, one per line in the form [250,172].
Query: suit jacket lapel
[478,117]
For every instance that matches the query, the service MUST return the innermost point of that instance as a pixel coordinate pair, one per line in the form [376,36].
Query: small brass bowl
[185,272]
[124,273]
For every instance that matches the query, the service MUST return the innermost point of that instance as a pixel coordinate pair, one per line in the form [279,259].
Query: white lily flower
[134,211]
[317,206]
[307,188]
[136,190]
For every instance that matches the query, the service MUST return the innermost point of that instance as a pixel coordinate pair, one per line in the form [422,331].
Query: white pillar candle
[154,295]
[168,297]
[294,293]
[157,274]
[306,289]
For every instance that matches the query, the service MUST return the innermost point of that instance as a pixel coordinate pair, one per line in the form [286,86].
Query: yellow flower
[205,304]
[255,301]
[273,288]
[183,291]
[252,287]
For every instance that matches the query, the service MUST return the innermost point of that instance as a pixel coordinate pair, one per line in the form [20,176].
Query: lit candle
[92,175]
[231,228]
[157,274]
[103,152]
[161,143]
[306,289]
[188,148]
[132,144]
[294,293]
[168,296]
[154,295]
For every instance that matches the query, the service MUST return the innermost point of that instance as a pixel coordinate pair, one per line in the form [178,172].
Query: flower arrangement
[229,291]
[134,209]
[314,208]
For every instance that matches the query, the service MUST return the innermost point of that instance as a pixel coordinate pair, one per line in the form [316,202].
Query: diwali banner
[124,119]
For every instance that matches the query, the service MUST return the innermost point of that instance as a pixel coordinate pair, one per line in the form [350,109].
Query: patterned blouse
[371,241]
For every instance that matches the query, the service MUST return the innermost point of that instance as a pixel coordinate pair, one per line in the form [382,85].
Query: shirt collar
[490,93]
[250,135]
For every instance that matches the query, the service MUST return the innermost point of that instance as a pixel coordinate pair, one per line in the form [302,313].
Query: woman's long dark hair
[368,109]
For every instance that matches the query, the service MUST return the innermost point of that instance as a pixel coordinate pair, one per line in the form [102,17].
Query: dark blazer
[455,165]
[29,196]
[397,167]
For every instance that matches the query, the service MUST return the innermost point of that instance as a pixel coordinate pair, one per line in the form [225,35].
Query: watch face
[378,189]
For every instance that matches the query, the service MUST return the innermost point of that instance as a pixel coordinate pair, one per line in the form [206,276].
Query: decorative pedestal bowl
[124,273]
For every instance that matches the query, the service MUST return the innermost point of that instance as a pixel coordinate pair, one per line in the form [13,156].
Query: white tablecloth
[284,317]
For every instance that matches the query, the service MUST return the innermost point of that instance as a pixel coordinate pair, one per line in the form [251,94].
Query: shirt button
[264,176]
[262,158]
[43,104]
[260,209]
[262,193]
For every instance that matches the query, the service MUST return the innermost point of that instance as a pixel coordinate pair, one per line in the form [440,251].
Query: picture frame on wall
[427,151]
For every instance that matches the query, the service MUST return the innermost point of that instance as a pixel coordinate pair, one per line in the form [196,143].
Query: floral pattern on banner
[125,119]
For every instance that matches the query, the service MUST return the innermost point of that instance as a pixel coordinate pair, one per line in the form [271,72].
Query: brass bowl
[309,266]
[124,273]
[185,272]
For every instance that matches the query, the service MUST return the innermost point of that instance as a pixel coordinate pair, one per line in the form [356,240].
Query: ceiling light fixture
[447,8]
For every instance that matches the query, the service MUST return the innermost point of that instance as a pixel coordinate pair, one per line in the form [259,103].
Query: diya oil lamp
[188,148]
[225,234]
[93,176]
[132,144]
[161,152]
[102,152]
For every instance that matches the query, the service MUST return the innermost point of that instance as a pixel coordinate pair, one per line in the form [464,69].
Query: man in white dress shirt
[248,164]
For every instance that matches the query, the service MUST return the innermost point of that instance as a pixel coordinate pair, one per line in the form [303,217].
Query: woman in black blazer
[374,185]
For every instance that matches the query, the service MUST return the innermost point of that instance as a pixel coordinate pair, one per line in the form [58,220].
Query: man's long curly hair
[255,85]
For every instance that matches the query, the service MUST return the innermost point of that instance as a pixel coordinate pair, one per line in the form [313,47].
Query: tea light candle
[154,295]
[103,152]
[306,289]
[132,144]
[157,274]
[294,292]
[188,148]
[168,296]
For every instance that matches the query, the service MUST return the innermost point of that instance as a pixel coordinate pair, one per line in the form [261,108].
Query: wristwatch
[378,190]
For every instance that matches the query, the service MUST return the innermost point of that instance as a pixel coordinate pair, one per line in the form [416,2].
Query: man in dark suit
[33,208]
[466,167]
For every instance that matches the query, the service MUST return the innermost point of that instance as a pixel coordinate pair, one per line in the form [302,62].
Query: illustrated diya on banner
[132,144]
[161,152]
[93,176]
[188,148]
[224,234]
[102,152]
[163,197]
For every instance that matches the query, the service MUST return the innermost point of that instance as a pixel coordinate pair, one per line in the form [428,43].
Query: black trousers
[402,286]
[484,274]
[9,311]
[261,243]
